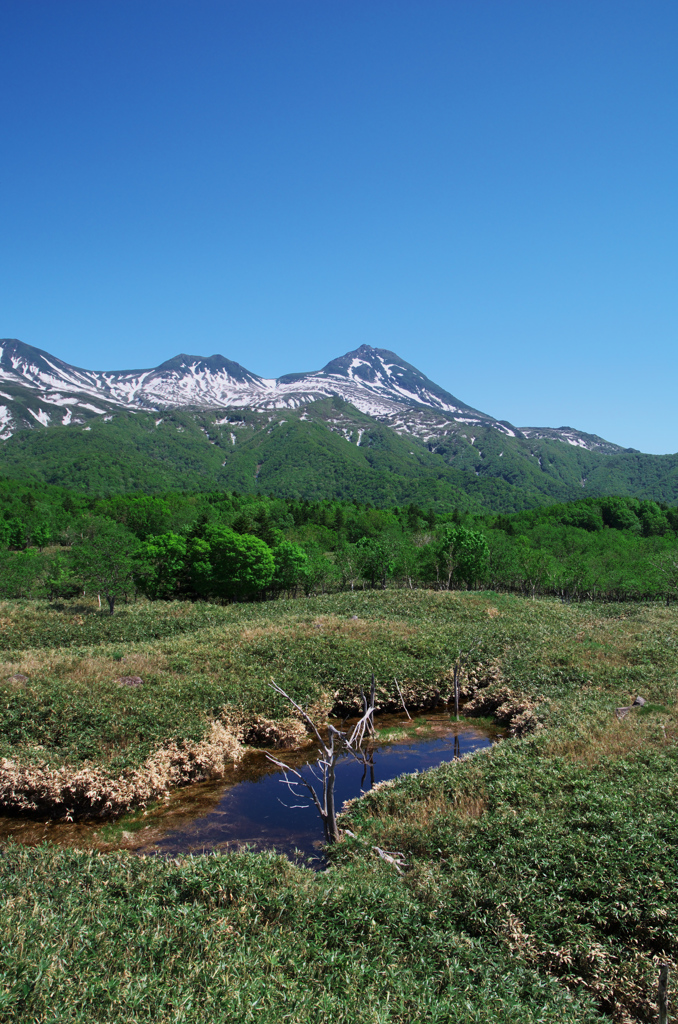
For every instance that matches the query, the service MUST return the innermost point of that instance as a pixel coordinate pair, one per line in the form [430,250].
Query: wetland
[541,873]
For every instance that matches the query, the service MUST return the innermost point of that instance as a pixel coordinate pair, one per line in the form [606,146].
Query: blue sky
[486,187]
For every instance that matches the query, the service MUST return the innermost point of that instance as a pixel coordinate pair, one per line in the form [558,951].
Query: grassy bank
[563,852]
[541,877]
[540,885]
[64,708]
[249,938]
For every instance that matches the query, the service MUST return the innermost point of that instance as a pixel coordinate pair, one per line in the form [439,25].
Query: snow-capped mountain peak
[376,381]
[383,373]
[40,389]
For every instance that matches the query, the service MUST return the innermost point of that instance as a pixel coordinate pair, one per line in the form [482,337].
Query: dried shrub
[282,735]
[90,791]
[516,711]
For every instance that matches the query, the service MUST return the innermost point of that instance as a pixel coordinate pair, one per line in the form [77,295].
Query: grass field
[62,703]
[541,880]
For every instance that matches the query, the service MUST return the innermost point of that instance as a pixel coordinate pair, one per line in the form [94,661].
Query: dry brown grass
[438,805]
[467,805]
[92,791]
[431,808]
[591,660]
[614,643]
[83,671]
[615,739]
[326,625]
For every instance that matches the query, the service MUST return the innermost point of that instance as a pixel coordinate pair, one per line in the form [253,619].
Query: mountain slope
[367,425]
[327,449]
[302,454]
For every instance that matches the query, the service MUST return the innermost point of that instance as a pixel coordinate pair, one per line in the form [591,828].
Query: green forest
[329,450]
[228,546]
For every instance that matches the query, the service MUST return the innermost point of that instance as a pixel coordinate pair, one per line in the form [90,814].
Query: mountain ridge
[375,380]
[368,425]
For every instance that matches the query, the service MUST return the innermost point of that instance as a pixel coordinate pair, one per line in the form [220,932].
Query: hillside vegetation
[251,452]
[226,546]
[328,450]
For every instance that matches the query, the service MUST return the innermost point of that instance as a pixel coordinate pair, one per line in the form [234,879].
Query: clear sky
[486,187]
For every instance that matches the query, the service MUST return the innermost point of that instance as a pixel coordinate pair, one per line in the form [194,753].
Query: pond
[253,806]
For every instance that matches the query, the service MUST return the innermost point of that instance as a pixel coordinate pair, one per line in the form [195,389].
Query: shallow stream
[253,806]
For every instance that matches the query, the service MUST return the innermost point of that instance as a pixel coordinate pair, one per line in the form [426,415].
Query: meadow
[539,880]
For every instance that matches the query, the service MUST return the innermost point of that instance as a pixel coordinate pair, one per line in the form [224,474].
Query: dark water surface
[261,811]
[254,806]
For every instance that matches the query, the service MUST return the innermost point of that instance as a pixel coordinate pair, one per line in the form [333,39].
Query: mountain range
[204,423]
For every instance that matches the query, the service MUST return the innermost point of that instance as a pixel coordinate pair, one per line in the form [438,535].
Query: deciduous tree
[230,565]
[105,558]
[463,555]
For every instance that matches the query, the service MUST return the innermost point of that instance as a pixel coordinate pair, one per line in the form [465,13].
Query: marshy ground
[542,876]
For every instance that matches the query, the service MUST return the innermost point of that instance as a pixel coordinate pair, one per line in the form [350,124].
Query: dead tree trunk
[329,751]
[456,670]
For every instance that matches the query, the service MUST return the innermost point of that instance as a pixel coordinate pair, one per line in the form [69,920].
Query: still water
[253,805]
[261,811]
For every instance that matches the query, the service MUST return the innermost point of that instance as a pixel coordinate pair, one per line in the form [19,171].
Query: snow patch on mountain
[57,399]
[6,422]
[376,381]
[92,408]
[41,416]
[576,438]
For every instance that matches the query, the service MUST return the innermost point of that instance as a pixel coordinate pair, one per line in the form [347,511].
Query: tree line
[232,547]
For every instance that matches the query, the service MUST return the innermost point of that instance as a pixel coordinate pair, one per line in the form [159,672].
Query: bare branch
[301,711]
[324,770]
[364,724]
[302,781]
[394,859]
[402,701]
[281,764]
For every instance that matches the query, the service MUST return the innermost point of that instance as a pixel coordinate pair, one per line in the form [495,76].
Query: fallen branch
[394,859]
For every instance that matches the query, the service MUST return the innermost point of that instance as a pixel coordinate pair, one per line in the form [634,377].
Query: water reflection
[252,804]
[263,813]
